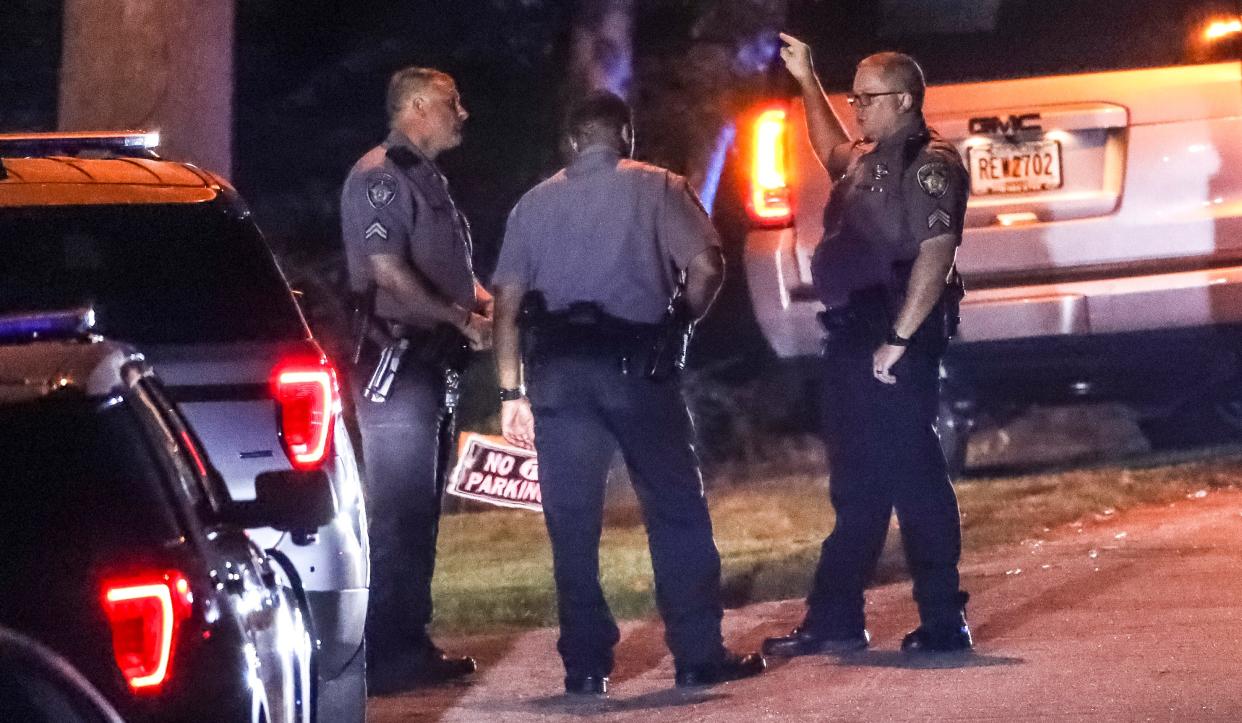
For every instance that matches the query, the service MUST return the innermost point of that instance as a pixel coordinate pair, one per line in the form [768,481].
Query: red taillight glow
[145,613]
[307,399]
[769,203]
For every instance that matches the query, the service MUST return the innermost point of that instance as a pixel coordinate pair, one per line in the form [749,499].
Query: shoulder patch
[934,178]
[381,190]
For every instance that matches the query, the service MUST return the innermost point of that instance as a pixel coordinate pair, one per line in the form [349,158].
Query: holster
[671,343]
[583,329]
[866,319]
[954,292]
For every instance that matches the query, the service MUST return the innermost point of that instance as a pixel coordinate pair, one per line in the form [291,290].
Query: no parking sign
[493,471]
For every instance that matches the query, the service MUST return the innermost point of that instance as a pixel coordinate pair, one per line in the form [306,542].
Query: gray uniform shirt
[396,201]
[608,230]
[887,199]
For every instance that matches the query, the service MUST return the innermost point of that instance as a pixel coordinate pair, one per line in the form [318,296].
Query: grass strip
[495,571]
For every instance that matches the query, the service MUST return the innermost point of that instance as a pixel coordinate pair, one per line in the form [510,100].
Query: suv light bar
[68,324]
[121,143]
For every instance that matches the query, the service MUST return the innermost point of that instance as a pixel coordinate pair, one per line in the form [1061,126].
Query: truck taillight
[769,202]
[308,399]
[144,613]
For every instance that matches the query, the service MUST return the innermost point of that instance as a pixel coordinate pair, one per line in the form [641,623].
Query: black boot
[731,667]
[423,665]
[800,641]
[941,634]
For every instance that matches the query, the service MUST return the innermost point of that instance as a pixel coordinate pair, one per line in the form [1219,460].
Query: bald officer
[885,273]
[604,243]
[408,246]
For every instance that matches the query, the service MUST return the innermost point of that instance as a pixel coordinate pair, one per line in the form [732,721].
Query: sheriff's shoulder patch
[381,190]
[934,178]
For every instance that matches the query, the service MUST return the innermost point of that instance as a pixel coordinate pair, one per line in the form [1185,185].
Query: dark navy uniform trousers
[884,455]
[584,409]
[400,440]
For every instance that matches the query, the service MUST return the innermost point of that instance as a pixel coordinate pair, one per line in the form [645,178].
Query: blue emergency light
[140,144]
[67,324]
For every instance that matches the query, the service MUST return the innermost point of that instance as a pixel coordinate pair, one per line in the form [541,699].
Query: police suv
[124,552]
[169,259]
[1103,246]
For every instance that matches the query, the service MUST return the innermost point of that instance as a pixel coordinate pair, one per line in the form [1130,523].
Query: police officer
[885,273]
[408,246]
[603,242]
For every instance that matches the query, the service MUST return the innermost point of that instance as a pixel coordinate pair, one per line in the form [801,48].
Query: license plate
[1014,167]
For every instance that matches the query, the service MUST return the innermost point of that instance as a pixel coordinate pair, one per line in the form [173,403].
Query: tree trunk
[152,64]
[601,54]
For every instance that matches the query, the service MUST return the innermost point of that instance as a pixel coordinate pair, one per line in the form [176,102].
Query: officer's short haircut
[903,70]
[408,82]
[600,110]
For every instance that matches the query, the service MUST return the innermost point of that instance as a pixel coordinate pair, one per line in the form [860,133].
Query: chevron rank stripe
[938,216]
[376,229]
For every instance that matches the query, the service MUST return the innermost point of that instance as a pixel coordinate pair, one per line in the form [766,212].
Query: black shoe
[440,667]
[802,642]
[423,666]
[731,667]
[595,685]
[938,640]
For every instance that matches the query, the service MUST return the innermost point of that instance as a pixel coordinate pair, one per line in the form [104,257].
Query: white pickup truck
[1103,246]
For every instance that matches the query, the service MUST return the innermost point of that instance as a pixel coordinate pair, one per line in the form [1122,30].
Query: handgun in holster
[671,344]
[532,314]
[380,384]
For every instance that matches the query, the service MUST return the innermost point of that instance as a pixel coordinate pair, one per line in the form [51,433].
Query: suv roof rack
[64,324]
[129,144]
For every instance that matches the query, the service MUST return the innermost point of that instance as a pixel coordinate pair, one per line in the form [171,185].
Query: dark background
[310,79]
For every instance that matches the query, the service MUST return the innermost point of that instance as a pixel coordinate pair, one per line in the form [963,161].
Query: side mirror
[298,501]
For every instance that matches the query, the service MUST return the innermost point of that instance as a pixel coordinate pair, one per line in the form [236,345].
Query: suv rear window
[78,474]
[973,40]
[158,274]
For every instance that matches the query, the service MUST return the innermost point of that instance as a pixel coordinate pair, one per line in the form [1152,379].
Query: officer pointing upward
[597,251]
[885,273]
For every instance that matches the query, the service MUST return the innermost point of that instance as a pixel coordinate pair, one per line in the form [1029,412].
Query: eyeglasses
[865,99]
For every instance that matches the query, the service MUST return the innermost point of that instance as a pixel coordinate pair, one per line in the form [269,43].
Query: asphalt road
[1130,616]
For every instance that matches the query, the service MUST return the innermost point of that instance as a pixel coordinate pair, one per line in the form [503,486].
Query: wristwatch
[896,340]
[512,394]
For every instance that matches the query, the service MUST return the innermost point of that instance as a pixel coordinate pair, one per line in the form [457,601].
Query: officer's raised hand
[517,423]
[797,57]
[478,331]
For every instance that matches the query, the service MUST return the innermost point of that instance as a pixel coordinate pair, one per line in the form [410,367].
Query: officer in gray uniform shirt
[409,256]
[603,244]
[885,273]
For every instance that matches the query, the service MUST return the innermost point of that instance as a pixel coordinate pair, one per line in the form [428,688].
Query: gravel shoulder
[1131,616]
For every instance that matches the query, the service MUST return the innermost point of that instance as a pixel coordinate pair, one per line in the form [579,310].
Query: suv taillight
[769,200]
[307,402]
[144,613]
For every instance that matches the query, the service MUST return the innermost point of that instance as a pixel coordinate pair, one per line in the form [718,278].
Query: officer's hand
[883,360]
[478,331]
[517,423]
[797,57]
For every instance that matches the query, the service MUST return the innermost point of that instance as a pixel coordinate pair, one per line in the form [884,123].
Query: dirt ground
[1132,616]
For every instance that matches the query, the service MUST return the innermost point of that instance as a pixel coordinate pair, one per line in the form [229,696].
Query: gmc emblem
[1011,126]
